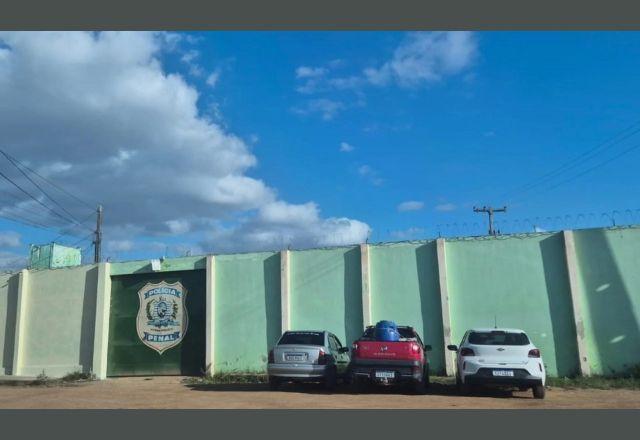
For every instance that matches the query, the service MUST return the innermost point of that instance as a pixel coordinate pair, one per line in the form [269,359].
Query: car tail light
[322,358]
[415,348]
[534,353]
[271,357]
[466,352]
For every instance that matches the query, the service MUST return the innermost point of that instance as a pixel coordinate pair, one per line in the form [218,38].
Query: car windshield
[498,338]
[302,338]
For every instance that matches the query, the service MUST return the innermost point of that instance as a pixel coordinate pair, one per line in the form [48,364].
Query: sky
[247,141]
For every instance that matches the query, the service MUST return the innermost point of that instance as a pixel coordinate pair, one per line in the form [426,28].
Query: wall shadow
[556,278]
[87,323]
[10,324]
[272,300]
[353,322]
[430,304]
[613,322]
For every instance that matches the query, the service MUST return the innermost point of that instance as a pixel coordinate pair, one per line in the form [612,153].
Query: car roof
[499,329]
[307,331]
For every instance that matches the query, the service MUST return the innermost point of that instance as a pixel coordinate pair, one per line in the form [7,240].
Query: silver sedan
[306,355]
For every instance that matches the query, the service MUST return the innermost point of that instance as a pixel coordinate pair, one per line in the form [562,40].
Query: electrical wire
[47,195]
[50,182]
[578,160]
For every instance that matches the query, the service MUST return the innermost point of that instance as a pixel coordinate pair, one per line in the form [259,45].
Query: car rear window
[405,333]
[302,338]
[498,338]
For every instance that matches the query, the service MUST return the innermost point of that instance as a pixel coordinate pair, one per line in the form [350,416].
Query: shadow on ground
[435,389]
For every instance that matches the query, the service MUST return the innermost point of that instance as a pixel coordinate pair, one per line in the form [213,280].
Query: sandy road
[171,392]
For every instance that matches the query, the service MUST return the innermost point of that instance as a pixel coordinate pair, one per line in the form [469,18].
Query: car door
[342,359]
[458,357]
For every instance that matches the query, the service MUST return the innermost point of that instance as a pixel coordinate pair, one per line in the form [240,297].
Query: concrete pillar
[574,290]
[211,315]
[285,289]
[366,284]
[101,330]
[444,304]
[21,317]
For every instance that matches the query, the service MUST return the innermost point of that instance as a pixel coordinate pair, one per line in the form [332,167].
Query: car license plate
[507,373]
[385,374]
[295,357]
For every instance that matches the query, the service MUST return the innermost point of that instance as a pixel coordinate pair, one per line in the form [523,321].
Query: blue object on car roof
[386,331]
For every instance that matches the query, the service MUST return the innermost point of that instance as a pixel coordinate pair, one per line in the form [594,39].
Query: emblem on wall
[162,318]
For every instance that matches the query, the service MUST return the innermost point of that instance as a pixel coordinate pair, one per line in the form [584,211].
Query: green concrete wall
[520,281]
[326,292]
[609,272]
[247,310]
[8,304]
[405,289]
[60,318]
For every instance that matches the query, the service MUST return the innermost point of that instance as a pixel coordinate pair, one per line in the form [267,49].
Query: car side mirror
[428,347]
[343,350]
[452,347]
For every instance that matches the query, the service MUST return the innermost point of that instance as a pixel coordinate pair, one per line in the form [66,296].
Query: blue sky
[397,134]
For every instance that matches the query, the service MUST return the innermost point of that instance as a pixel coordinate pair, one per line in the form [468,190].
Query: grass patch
[78,376]
[595,382]
[229,378]
[42,379]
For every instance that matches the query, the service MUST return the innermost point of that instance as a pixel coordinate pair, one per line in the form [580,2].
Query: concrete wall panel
[247,321]
[326,292]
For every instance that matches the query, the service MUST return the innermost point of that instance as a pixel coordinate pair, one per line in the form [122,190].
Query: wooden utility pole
[97,243]
[490,210]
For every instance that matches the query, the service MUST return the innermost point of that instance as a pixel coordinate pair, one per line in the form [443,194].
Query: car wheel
[356,385]
[274,383]
[419,387]
[427,380]
[538,392]
[330,379]
[466,389]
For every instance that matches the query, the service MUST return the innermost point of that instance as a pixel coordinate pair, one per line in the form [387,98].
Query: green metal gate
[128,354]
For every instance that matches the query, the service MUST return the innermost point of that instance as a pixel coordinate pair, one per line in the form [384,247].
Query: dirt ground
[172,392]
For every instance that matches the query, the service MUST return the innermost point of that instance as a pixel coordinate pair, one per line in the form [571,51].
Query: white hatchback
[499,357]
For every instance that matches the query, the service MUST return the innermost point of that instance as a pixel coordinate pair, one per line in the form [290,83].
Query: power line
[50,182]
[28,222]
[588,170]
[15,164]
[17,206]
[580,159]
[4,176]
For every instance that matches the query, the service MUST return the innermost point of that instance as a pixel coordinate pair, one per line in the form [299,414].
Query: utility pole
[490,210]
[97,243]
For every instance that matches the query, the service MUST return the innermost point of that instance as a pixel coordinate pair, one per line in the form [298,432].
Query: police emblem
[162,317]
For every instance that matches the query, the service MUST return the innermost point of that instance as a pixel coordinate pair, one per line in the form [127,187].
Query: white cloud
[420,58]
[445,207]
[130,135]
[345,147]
[213,78]
[408,234]
[425,57]
[120,245]
[310,72]
[9,239]
[10,261]
[327,108]
[410,205]
[371,175]
[279,225]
